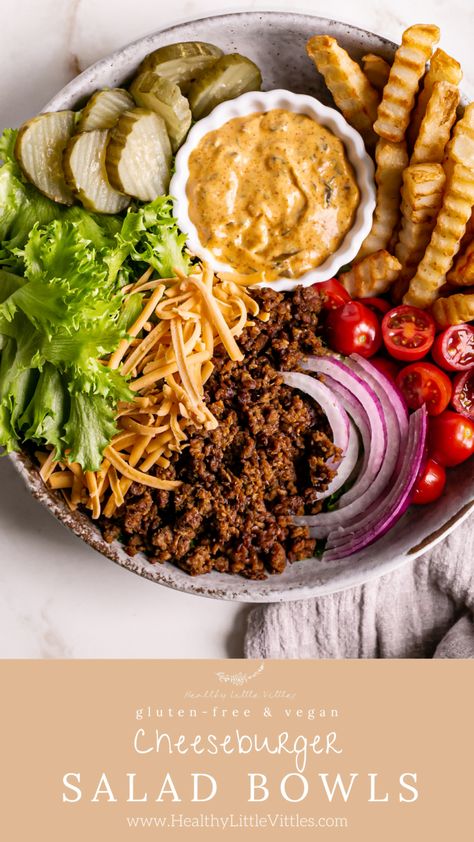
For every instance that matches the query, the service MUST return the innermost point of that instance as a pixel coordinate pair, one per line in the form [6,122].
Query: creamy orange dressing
[271,191]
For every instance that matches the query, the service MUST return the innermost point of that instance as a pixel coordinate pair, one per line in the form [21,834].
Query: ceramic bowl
[276,42]
[260,102]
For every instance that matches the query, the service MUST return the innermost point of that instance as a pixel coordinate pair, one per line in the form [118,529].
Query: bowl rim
[116,65]
[262,102]
[226,588]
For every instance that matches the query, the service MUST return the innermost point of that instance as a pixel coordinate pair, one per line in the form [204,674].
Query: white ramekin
[261,101]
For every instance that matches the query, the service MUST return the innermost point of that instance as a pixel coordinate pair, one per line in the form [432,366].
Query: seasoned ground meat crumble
[243,481]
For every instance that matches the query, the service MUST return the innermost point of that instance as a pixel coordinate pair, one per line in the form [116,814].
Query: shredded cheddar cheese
[167,358]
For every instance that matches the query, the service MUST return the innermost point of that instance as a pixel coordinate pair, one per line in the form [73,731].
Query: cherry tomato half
[430,484]
[408,333]
[453,349]
[387,367]
[450,438]
[463,393]
[335,295]
[424,383]
[378,305]
[354,329]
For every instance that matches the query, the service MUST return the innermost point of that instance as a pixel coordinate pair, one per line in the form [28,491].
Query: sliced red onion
[355,392]
[343,431]
[390,508]
[346,513]
[391,397]
[393,405]
[389,387]
[345,466]
[358,415]
[352,405]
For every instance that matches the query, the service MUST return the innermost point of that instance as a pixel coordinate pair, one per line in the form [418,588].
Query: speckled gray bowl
[276,42]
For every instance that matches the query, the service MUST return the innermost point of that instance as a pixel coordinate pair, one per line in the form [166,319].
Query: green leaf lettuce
[62,311]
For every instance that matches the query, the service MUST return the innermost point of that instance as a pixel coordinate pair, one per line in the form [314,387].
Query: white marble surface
[57,597]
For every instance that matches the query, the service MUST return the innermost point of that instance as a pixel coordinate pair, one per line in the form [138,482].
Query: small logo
[239,678]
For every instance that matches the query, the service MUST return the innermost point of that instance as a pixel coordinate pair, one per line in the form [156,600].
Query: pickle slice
[84,167]
[39,150]
[229,77]
[182,63]
[104,108]
[164,97]
[138,156]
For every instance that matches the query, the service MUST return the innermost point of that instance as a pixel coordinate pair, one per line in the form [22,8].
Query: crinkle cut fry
[350,88]
[454,310]
[373,275]
[444,243]
[443,68]
[398,98]
[391,159]
[462,273]
[453,218]
[435,129]
[460,148]
[422,196]
[377,70]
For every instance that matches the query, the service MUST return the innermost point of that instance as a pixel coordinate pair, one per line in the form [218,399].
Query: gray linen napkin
[423,610]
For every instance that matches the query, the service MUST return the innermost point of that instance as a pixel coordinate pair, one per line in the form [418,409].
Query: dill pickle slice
[104,108]
[182,63]
[84,168]
[229,77]
[138,155]
[39,150]
[151,91]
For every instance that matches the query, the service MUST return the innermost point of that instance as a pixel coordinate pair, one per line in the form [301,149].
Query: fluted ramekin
[259,102]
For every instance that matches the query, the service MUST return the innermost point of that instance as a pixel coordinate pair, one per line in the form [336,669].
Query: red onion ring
[350,384]
[392,400]
[384,450]
[390,507]
[343,431]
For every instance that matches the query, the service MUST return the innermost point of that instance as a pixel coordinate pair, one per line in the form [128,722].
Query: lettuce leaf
[58,323]
[9,283]
[7,146]
[62,311]
[21,207]
[45,414]
[150,235]
[90,427]
[16,385]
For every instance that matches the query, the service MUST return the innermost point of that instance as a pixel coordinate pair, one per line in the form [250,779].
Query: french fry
[466,240]
[454,151]
[442,68]
[435,129]
[421,201]
[351,90]
[393,113]
[377,70]
[450,226]
[462,273]
[422,196]
[391,159]
[454,310]
[373,275]
[469,235]
[460,148]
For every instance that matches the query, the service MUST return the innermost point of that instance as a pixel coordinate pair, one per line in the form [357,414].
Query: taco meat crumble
[242,481]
